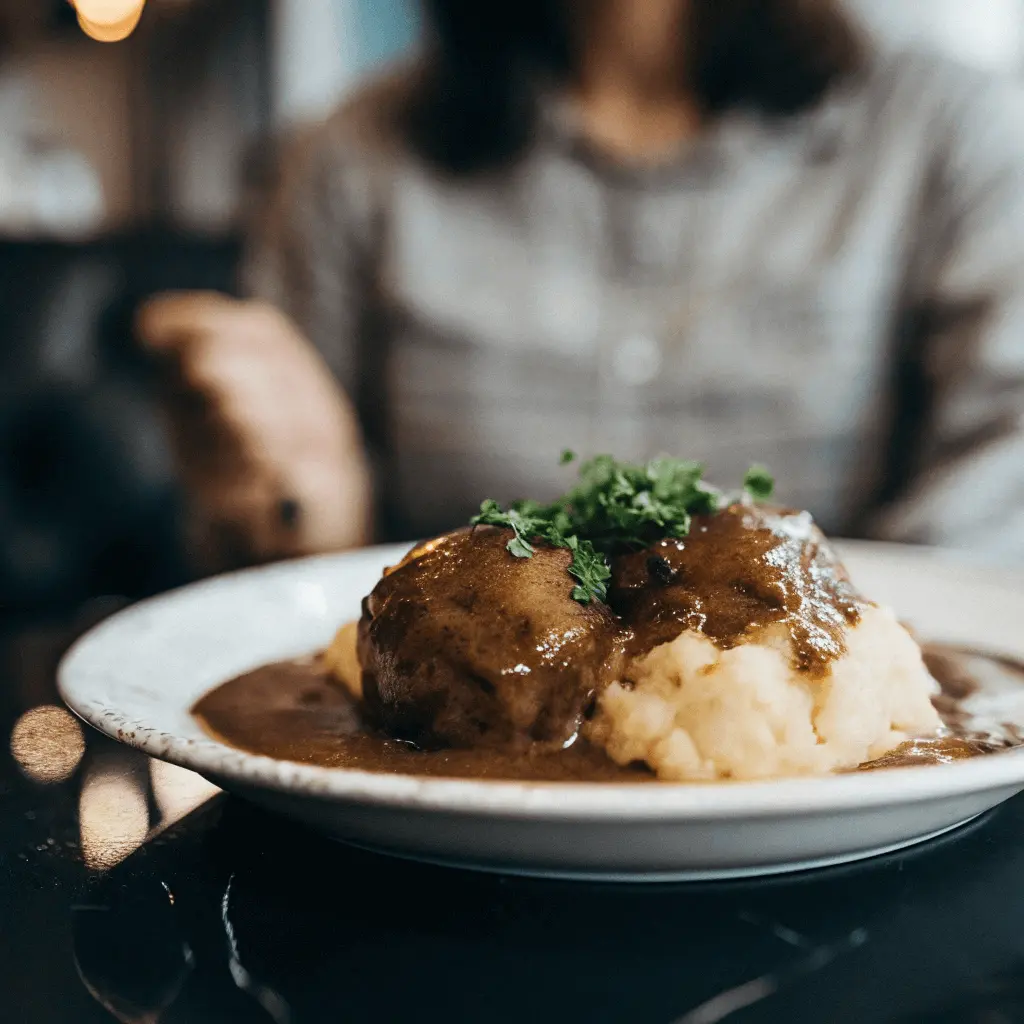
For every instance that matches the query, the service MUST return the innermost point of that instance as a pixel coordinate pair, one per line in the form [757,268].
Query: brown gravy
[293,711]
[737,572]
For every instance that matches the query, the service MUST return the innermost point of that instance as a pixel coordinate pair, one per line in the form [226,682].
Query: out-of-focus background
[131,167]
[126,168]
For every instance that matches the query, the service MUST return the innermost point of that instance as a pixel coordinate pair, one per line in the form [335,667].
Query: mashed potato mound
[695,711]
[341,659]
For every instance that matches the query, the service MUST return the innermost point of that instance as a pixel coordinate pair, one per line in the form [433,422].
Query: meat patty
[465,645]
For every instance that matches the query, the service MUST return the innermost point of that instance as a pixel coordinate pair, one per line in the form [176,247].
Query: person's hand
[268,446]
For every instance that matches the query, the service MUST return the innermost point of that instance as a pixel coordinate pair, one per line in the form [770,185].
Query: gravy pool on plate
[297,711]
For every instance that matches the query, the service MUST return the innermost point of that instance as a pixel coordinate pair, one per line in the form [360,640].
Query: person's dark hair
[473,109]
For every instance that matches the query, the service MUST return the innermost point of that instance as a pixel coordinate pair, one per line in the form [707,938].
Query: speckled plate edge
[159,639]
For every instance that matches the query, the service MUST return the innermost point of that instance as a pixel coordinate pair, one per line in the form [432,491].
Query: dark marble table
[128,892]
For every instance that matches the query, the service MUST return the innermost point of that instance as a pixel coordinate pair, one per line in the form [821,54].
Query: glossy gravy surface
[294,711]
[737,572]
[464,646]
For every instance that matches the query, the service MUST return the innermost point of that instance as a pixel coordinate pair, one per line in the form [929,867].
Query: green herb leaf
[520,548]
[615,506]
[568,455]
[590,569]
[618,504]
[759,483]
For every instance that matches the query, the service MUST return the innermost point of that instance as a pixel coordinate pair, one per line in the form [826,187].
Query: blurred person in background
[725,229]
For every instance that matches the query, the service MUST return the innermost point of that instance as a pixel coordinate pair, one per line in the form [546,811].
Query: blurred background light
[177,791]
[47,743]
[113,810]
[108,21]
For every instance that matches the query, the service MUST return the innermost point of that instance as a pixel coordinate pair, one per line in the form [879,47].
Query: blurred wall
[65,140]
[323,47]
[386,27]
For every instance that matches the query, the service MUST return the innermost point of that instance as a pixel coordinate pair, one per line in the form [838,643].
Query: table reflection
[130,952]
[113,808]
[123,798]
[284,925]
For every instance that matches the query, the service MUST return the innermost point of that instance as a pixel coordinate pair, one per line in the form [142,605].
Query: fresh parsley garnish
[533,523]
[759,483]
[619,504]
[615,506]
[589,569]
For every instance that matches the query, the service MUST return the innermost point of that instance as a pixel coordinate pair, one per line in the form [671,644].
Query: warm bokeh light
[111,33]
[108,12]
[177,791]
[108,21]
[113,814]
[47,742]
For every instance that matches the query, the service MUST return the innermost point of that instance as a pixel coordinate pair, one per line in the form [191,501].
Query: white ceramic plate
[135,677]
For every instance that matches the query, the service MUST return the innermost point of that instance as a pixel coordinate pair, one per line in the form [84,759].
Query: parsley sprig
[616,506]
[533,523]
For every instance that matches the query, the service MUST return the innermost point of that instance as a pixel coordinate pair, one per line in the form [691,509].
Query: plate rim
[535,800]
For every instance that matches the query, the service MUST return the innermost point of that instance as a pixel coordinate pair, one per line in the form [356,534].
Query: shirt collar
[733,138]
